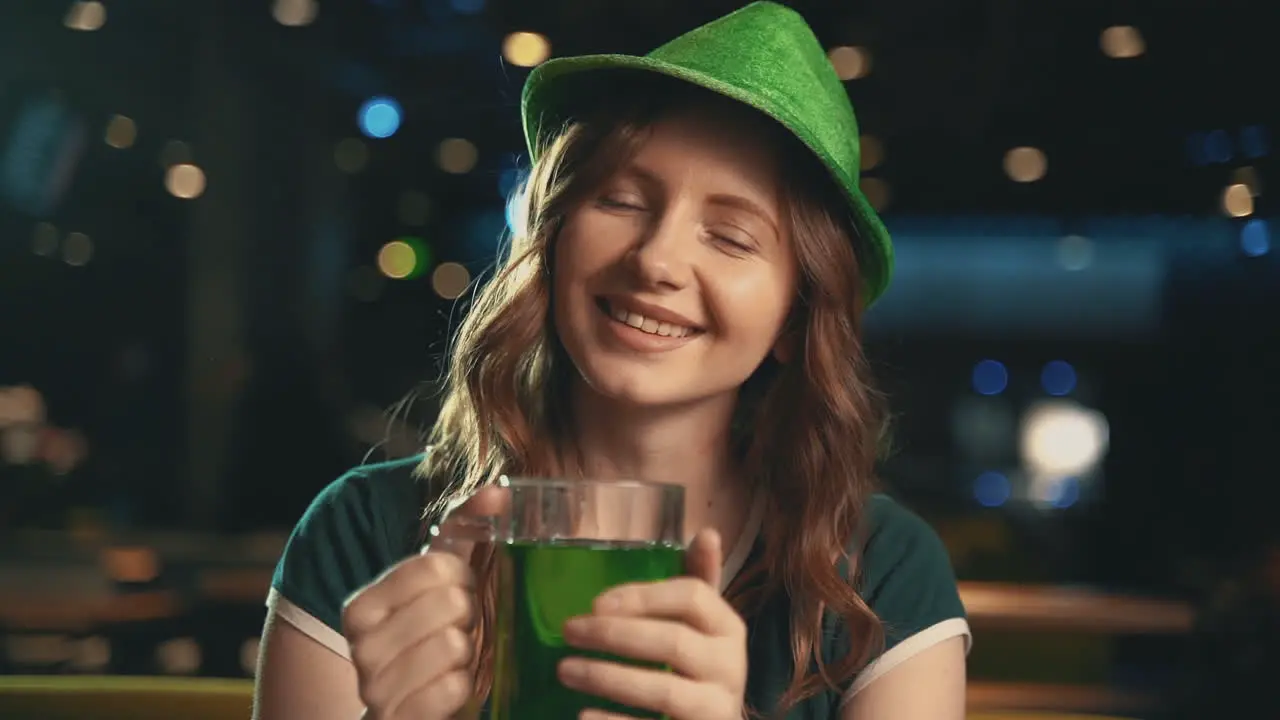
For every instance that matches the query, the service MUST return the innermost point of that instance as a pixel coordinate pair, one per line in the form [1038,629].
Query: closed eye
[616,204]
[733,245]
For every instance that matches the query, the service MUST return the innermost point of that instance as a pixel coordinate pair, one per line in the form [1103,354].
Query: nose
[662,257]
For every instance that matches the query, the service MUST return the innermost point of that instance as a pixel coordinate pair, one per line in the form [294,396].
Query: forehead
[719,141]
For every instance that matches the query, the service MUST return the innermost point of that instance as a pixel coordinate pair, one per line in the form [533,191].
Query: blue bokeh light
[510,210]
[508,181]
[379,117]
[1217,146]
[1058,378]
[992,489]
[990,377]
[1254,141]
[467,7]
[1255,238]
[1066,493]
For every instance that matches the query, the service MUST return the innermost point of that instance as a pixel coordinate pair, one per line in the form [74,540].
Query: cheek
[588,251]
[753,312]
[575,263]
[576,257]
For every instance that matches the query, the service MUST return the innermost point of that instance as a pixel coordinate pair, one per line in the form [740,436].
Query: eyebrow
[737,202]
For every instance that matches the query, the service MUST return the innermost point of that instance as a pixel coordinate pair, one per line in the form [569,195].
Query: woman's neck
[688,445]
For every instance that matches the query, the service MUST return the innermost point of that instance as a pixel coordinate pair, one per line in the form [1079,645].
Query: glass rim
[510,481]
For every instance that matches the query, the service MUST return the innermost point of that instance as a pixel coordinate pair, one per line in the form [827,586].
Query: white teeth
[648,325]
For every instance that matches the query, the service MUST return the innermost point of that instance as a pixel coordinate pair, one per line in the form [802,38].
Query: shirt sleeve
[335,549]
[909,582]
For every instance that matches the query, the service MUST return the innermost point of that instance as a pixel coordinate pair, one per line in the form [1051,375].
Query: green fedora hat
[763,55]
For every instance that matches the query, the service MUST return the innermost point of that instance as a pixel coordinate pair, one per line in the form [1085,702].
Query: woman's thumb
[705,559]
[469,523]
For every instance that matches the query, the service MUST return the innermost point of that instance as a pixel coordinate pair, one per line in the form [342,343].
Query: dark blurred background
[233,232]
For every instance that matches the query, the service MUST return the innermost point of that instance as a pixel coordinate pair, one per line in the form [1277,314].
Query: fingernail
[571,671]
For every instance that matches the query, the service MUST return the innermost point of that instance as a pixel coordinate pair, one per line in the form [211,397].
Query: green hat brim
[547,97]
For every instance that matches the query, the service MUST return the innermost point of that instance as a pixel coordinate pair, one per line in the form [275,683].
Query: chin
[625,385]
[635,387]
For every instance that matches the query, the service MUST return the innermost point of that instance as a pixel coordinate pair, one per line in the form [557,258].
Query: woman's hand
[684,623]
[411,630]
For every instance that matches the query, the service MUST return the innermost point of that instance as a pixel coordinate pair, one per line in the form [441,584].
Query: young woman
[683,305]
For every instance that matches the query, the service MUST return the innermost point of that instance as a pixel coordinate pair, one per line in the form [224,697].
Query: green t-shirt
[369,519]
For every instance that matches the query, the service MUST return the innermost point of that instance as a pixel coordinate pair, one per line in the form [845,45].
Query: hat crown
[769,49]
[764,56]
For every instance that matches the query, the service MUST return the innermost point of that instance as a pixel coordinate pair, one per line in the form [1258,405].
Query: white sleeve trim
[737,557]
[909,648]
[308,624]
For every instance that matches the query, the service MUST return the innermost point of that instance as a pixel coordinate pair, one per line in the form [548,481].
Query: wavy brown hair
[808,430]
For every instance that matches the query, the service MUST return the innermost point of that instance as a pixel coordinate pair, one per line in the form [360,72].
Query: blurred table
[238,570]
[74,614]
[1024,715]
[1017,607]
[152,698]
[996,699]
[124,698]
[54,585]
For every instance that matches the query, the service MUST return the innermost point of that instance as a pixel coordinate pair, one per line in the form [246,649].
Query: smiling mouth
[645,324]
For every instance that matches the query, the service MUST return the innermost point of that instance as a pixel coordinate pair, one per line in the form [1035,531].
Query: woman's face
[673,279]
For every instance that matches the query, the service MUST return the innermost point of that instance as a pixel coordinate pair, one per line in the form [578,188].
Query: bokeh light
[121,132]
[86,16]
[990,377]
[1237,201]
[1025,164]
[1058,378]
[526,49]
[1062,438]
[457,156]
[1075,252]
[185,181]
[992,489]
[850,63]
[508,181]
[295,13]
[877,191]
[404,258]
[1122,42]
[450,280]
[1255,238]
[871,153]
[77,249]
[379,117]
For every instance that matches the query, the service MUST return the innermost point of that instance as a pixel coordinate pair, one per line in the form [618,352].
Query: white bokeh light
[1063,438]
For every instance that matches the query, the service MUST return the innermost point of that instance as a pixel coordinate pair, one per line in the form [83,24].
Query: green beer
[541,585]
